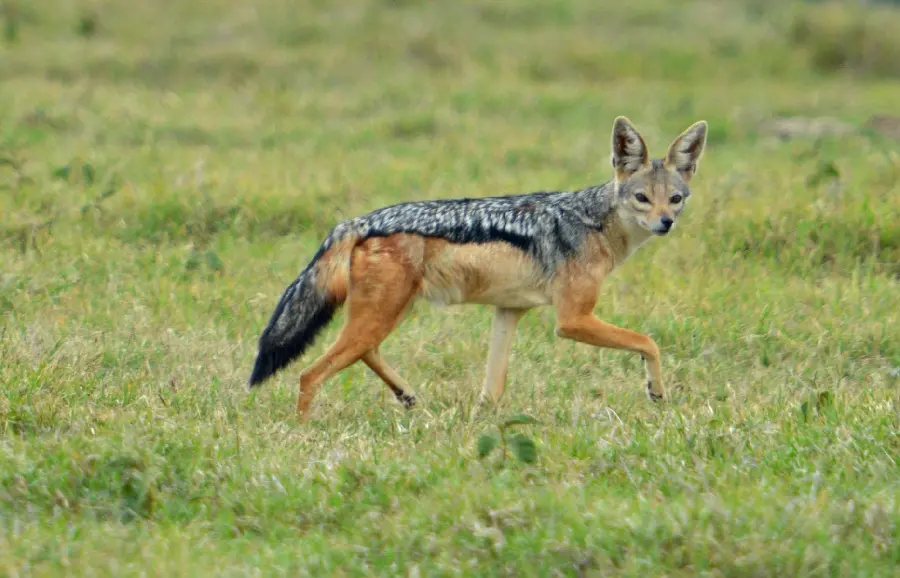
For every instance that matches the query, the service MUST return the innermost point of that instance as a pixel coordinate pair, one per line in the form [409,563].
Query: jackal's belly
[489,274]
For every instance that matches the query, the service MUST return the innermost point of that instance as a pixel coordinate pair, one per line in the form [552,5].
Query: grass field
[167,168]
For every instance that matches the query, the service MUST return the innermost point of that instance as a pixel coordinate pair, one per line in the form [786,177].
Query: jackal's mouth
[663,228]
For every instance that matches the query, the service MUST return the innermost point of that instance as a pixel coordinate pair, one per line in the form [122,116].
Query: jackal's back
[548,226]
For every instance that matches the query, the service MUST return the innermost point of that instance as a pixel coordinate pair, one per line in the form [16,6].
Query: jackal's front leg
[576,320]
[589,329]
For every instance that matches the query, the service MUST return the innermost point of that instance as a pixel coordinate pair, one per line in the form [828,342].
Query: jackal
[513,252]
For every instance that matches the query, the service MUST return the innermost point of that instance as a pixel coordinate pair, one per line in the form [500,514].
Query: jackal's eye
[641,198]
[675,199]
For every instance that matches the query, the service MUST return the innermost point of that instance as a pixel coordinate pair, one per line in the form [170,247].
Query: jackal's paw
[656,397]
[407,400]
[483,407]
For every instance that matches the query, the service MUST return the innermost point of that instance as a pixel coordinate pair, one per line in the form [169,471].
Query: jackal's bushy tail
[305,308]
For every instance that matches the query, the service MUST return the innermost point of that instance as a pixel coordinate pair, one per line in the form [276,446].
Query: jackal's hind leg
[384,277]
[397,384]
[344,353]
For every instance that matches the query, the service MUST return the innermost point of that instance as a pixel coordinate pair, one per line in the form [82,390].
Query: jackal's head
[652,193]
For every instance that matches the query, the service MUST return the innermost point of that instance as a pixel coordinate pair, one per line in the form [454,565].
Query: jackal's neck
[623,235]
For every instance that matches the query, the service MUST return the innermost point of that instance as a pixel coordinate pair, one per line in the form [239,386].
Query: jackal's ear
[685,151]
[629,153]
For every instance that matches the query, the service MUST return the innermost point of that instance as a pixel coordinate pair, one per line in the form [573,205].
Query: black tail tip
[272,359]
[263,369]
[255,381]
[275,353]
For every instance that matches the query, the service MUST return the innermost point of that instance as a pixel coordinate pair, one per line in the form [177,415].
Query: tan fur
[383,276]
[488,274]
[336,269]
[387,274]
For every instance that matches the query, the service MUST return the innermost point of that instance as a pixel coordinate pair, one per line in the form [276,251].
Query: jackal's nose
[666,223]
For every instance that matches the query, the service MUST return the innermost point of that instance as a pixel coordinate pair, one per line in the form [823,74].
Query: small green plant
[198,258]
[11,21]
[521,446]
[821,403]
[67,172]
[87,25]
[825,171]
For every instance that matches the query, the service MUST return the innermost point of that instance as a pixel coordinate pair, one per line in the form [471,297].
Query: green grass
[223,140]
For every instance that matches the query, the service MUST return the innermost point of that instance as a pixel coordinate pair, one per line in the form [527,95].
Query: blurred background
[319,98]
[363,82]
[529,85]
